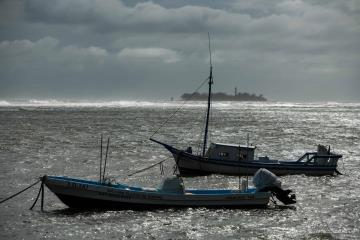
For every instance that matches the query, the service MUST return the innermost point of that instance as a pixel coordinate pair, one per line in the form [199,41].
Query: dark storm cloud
[284,49]
[113,15]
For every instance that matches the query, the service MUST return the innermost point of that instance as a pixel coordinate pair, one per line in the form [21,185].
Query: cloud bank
[283,49]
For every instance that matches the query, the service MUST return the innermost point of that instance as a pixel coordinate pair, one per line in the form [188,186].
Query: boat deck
[147,189]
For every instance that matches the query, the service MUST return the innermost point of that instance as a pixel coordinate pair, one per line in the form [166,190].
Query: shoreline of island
[220,96]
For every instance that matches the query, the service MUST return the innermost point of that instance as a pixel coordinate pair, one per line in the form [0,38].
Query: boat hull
[77,193]
[193,165]
[190,165]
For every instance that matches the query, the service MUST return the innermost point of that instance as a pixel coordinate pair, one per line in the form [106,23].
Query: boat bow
[167,146]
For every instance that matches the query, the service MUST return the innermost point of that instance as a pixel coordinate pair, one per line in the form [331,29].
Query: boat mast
[209,101]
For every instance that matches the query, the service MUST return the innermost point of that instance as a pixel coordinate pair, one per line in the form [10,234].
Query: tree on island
[220,96]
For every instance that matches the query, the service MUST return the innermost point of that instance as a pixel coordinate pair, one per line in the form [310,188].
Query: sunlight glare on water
[62,138]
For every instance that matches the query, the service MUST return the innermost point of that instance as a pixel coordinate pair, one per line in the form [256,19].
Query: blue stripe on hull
[87,203]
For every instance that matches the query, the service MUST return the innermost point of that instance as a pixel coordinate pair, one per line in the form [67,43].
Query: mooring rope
[14,195]
[147,168]
[41,191]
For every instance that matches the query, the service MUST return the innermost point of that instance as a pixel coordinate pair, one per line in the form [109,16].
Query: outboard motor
[266,181]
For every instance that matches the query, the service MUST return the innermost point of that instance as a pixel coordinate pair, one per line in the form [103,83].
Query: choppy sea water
[57,138]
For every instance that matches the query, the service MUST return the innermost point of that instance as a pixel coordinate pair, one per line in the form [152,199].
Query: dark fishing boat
[234,159]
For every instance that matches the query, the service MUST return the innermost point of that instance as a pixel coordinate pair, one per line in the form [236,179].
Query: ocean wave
[163,104]
[74,103]
[4,103]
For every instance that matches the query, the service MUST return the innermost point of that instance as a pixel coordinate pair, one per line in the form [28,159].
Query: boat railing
[314,157]
[307,156]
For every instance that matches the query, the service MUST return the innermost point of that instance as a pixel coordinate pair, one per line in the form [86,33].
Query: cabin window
[242,156]
[223,154]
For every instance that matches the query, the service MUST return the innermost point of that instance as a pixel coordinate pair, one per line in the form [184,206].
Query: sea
[52,137]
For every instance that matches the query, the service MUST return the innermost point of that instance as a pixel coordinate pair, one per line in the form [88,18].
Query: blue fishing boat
[88,194]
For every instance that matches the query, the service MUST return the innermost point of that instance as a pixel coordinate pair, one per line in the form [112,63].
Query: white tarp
[264,178]
[172,185]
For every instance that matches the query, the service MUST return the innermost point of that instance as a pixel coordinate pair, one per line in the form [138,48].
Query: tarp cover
[264,178]
[172,185]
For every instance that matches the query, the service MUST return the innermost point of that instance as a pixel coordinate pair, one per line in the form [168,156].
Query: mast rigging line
[179,108]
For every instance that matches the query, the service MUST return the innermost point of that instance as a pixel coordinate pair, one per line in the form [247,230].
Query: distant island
[220,96]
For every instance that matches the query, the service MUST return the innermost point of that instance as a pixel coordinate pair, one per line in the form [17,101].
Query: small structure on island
[220,96]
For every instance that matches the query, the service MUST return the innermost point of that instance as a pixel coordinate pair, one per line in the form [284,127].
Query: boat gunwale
[122,187]
[284,165]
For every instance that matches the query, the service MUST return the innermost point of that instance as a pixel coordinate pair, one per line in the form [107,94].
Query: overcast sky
[287,50]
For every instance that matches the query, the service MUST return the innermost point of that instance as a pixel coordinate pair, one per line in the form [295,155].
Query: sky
[287,50]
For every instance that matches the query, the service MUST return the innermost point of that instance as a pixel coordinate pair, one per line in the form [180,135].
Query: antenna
[209,49]
[101,147]
[247,139]
[106,156]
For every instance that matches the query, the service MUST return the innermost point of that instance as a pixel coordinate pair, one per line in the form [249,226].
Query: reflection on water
[63,139]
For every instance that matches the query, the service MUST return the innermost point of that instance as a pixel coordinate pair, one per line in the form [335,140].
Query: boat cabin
[231,152]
